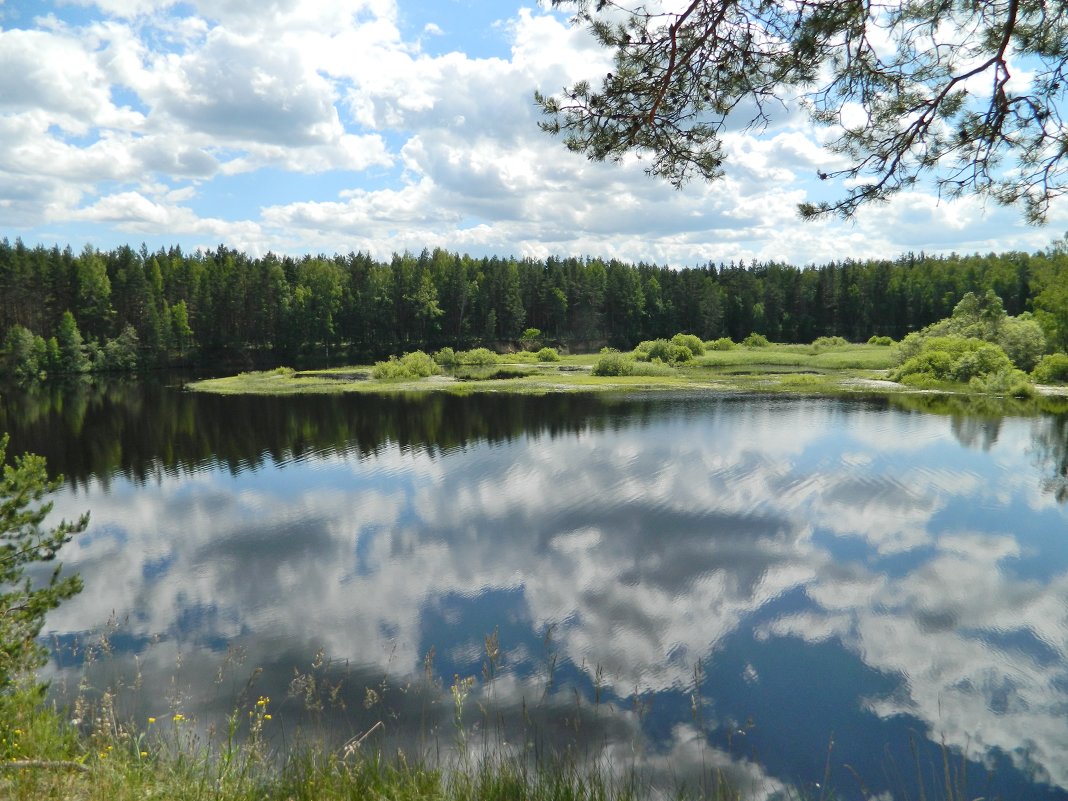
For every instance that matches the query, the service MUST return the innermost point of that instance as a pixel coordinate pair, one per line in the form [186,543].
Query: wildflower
[178,717]
[151,720]
[263,701]
[144,753]
[266,717]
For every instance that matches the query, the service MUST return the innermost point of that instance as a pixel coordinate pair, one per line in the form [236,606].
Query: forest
[124,309]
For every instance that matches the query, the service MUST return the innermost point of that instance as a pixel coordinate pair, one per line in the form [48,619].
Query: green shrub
[755,340]
[723,343]
[548,355]
[662,350]
[530,338]
[884,341]
[1013,383]
[411,365]
[952,358]
[478,356]
[821,343]
[446,357]
[1052,369]
[691,342]
[1022,339]
[612,363]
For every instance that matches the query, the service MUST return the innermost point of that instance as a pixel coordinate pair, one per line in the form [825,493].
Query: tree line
[114,310]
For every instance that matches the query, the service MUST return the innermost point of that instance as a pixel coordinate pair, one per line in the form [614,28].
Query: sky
[330,126]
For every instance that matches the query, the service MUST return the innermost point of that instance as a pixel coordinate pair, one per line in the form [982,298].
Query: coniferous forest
[64,312]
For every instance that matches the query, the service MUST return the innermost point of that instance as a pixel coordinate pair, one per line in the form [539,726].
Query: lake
[784,588]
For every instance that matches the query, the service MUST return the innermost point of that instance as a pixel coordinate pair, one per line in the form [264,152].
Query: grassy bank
[46,757]
[788,368]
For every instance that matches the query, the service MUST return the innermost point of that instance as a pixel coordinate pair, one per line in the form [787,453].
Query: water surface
[679,582]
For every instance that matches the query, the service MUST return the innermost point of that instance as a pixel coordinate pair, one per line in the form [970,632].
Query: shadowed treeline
[137,429]
[170,307]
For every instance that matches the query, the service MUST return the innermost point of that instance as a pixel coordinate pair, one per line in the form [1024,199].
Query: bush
[530,338]
[884,341]
[1013,383]
[446,357]
[952,358]
[1052,369]
[723,343]
[410,366]
[690,342]
[1022,339]
[612,363]
[662,350]
[821,343]
[548,355]
[755,341]
[478,356]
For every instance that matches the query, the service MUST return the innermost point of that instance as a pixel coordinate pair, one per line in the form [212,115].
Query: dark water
[680,583]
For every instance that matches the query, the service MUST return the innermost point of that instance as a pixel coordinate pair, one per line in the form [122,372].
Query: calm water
[679,583]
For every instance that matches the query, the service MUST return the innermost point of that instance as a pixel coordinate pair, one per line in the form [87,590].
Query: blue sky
[386,125]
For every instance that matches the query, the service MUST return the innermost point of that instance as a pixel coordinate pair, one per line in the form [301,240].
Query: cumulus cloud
[192,95]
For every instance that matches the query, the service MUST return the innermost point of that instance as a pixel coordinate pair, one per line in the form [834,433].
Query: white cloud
[149,91]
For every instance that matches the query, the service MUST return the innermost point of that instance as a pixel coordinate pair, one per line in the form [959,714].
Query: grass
[773,368]
[46,757]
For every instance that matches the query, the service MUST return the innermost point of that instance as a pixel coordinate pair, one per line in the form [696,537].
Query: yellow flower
[266,717]
[178,717]
[144,753]
[151,720]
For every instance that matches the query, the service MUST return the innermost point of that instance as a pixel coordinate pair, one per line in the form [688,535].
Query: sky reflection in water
[823,569]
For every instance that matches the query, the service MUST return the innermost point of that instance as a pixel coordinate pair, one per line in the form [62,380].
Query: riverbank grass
[44,756]
[788,368]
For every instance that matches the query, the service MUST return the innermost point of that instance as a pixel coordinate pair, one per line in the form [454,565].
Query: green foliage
[1013,383]
[481,357]
[723,343]
[530,338]
[120,353]
[1023,340]
[689,341]
[983,318]
[548,355]
[25,355]
[410,366]
[225,303]
[1052,369]
[755,340]
[446,357]
[613,363]
[952,359]
[181,331]
[825,343]
[72,357]
[881,341]
[24,543]
[678,82]
[662,350]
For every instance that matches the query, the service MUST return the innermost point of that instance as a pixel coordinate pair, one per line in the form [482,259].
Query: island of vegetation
[978,349]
